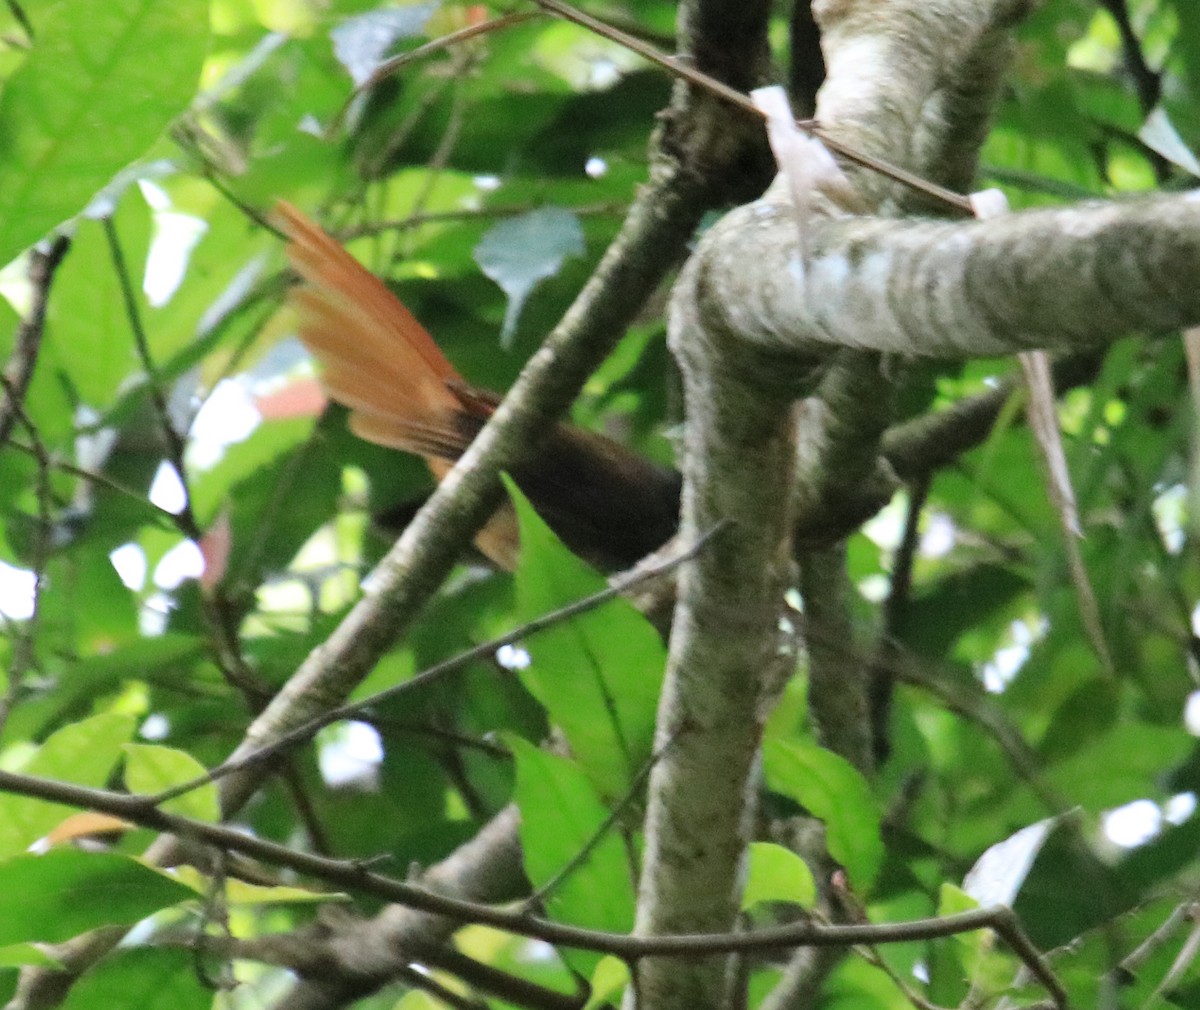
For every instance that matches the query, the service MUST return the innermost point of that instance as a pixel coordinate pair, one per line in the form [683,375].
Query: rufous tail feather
[381,363]
[377,359]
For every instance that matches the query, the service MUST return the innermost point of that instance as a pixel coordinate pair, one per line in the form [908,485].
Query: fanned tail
[377,359]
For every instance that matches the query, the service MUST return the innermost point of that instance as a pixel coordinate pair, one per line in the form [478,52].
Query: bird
[608,504]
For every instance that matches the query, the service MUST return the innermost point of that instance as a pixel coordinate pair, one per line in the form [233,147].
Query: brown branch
[354,876]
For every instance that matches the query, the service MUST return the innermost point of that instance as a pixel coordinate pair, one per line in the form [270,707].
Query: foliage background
[205,113]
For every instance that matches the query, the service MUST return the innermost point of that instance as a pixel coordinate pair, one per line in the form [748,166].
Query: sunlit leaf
[151,769]
[58,895]
[599,673]
[89,99]
[836,792]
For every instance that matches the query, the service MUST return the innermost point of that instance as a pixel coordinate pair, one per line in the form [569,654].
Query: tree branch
[355,876]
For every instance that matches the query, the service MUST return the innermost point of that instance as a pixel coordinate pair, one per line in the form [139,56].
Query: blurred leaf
[608,982]
[560,816]
[56,896]
[84,753]
[87,101]
[148,978]
[520,252]
[830,787]
[598,674]
[777,874]
[151,769]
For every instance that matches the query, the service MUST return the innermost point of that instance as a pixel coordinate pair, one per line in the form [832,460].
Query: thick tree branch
[1070,278]
[895,77]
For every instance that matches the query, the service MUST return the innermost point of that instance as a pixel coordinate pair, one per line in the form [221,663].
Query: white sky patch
[166,490]
[938,538]
[1007,661]
[603,74]
[1191,712]
[1133,824]
[1179,808]
[183,561]
[175,236]
[155,727]
[227,416]
[596,168]
[130,562]
[875,588]
[152,618]
[1196,620]
[513,657]
[350,754]
[1169,509]
[886,528]
[487,183]
[16,592]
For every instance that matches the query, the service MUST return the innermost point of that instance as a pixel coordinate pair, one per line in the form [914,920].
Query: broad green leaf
[1120,766]
[836,792]
[270,443]
[151,769]
[52,897]
[560,816]
[148,978]
[609,980]
[89,322]
[102,82]
[598,674]
[83,753]
[522,251]
[777,874]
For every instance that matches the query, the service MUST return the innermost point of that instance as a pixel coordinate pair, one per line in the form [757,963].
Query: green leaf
[90,326]
[84,753]
[18,954]
[778,874]
[53,897]
[150,769]
[836,792]
[598,674]
[560,815]
[147,978]
[103,81]
[522,251]
[608,982]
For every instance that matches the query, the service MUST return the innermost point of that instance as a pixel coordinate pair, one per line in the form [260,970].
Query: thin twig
[305,731]
[391,65]
[353,875]
[18,371]
[410,221]
[223,636]
[185,519]
[24,654]
[699,79]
